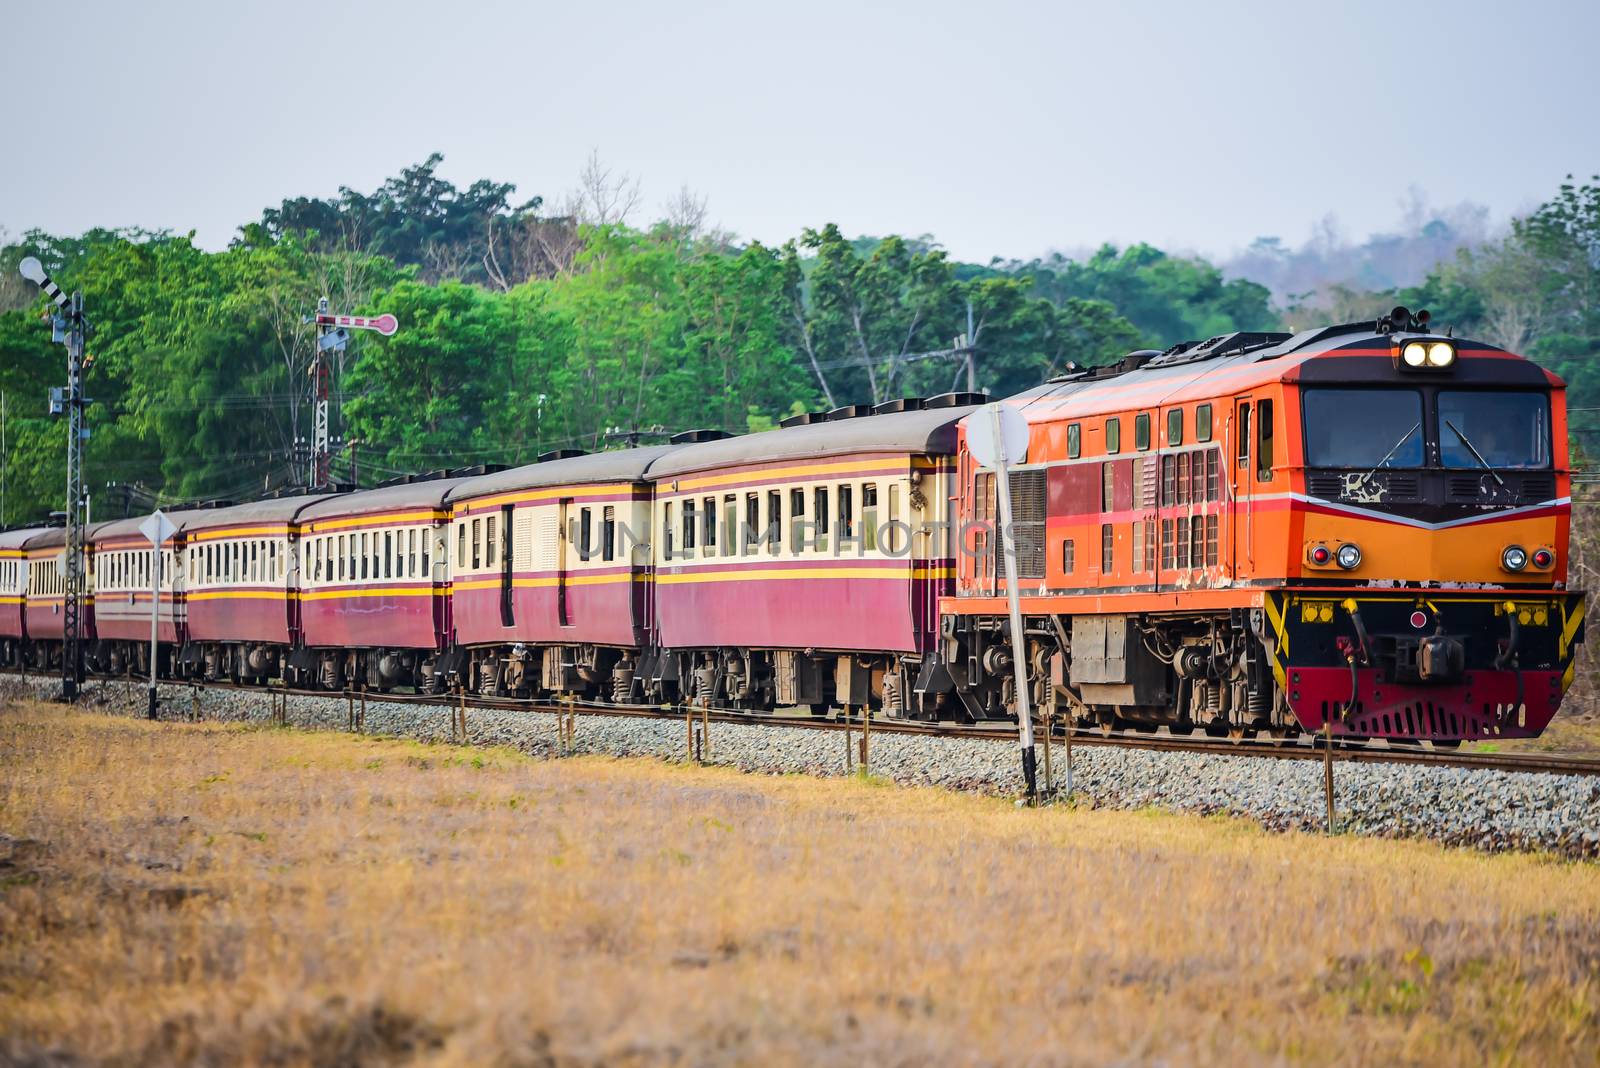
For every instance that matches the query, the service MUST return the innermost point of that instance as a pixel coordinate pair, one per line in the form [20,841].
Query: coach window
[690,521]
[892,543]
[585,535]
[1141,431]
[730,524]
[477,544]
[365,552]
[847,514]
[774,528]
[819,518]
[461,547]
[427,539]
[1074,440]
[377,555]
[316,561]
[869,515]
[708,520]
[388,554]
[1175,427]
[667,531]
[491,544]
[1264,444]
[751,538]
[411,554]
[1113,435]
[797,521]
[1202,423]
[608,532]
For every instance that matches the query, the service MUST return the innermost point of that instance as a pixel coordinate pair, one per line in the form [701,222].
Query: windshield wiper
[1389,455]
[1476,455]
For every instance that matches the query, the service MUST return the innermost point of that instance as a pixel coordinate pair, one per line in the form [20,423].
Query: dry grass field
[206,894]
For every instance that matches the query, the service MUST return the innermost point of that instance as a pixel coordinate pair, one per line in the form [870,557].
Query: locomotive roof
[928,431]
[427,494]
[273,510]
[1230,363]
[619,465]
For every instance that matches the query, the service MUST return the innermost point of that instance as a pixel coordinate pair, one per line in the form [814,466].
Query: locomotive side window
[1244,434]
[1074,440]
[1264,444]
[1141,431]
[1113,435]
[1175,426]
[1202,423]
[1068,556]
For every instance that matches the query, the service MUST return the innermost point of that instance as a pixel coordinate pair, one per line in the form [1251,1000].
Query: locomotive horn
[1422,318]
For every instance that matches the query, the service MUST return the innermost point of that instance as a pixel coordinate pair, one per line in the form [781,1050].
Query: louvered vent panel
[1147,482]
[1325,485]
[522,539]
[1027,521]
[547,540]
[1538,488]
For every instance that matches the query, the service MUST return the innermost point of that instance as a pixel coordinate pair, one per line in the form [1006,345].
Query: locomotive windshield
[1371,428]
[1506,429]
[1364,428]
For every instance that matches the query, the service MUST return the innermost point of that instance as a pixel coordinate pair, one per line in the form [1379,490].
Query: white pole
[1019,657]
[155,615]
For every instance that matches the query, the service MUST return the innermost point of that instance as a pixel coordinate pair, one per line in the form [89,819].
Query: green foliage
[521,334]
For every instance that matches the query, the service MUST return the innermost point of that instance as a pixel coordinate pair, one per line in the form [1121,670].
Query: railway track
[1305,747]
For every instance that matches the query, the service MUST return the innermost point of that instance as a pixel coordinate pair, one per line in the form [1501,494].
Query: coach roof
[930,431]
[428,494]
[620,465]
[273,510]
[129,528]
[56,537]
[16,539]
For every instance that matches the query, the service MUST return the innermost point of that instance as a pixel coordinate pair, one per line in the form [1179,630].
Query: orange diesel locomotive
[1362,526]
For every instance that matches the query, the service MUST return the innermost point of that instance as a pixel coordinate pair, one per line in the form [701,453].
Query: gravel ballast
[1491,810]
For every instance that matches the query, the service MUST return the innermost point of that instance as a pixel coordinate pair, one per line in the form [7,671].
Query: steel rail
[1303,747]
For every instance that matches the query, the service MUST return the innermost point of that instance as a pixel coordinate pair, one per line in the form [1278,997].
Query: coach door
[563,616]
[1252,445]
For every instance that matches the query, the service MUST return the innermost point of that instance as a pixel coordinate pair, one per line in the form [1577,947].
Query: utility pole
[333,334]
[69,328]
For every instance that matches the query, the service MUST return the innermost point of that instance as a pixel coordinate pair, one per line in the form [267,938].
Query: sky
[1002,129]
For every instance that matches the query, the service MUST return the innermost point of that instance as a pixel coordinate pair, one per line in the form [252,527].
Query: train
[1361,529]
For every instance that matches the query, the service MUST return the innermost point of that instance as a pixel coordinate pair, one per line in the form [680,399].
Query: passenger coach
[373,586]
[123,579]
[13,593]
[551,567]
[804,565]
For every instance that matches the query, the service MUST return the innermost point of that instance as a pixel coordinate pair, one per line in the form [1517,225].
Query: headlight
[1515,558]
[1415,354]
[1349,557]
[1440,354]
